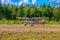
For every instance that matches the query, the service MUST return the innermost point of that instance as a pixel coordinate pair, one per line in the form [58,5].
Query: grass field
[37,32]
[11,21]
[4,21]
[30,36]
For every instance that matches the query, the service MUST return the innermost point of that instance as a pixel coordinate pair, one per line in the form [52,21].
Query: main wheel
[31,25]
[24,24]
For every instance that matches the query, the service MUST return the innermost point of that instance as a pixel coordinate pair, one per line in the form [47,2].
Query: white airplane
[33,20]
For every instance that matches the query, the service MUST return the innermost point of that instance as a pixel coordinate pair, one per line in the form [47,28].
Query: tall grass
[11,21]
[4,21]
[52,22]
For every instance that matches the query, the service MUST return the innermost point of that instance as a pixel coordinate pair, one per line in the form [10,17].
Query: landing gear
[25,25]
[31,25]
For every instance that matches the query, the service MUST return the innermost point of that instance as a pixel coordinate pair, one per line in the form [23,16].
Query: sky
[31,2]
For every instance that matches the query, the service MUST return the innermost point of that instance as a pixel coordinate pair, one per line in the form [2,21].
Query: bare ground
[36,28]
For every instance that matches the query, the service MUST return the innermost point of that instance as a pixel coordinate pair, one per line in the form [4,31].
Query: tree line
[11,12]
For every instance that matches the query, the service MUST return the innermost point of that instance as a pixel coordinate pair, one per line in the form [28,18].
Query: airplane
[32,20]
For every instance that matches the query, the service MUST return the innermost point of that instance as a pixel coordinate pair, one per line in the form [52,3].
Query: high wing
[22,18]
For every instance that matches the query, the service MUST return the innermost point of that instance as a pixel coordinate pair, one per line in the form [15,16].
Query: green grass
[52,22]
[30,36]
[4,21]
[11,21]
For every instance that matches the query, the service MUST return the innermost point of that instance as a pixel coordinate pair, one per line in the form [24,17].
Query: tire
[25,25]
[31,25]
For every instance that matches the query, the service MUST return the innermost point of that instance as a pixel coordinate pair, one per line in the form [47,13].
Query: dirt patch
[28,28]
